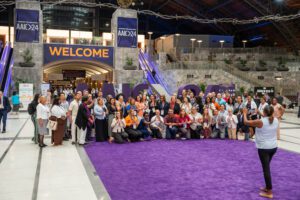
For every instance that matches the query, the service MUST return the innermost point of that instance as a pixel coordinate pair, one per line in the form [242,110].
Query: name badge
[162,112]
[134,126]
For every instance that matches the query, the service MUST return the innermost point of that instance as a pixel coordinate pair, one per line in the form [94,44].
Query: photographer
[266,144]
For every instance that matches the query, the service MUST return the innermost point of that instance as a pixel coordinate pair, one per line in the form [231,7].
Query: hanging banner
[127,32]
[27,25]
[26,94]
[59,52]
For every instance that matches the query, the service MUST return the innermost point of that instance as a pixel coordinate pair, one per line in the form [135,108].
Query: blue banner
[27,25]
[127,32]
[60,52]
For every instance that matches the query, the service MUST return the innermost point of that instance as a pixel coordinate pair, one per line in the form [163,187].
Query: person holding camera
[266,143]
[132,123]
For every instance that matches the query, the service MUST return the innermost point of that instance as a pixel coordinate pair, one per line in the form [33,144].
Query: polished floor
[65,172]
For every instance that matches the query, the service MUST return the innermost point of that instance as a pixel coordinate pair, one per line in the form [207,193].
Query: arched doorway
[95,73]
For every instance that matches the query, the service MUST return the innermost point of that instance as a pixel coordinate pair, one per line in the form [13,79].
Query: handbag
[52,123]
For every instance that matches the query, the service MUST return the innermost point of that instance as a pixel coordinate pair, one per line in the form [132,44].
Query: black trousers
[156,133]
[101,131]
[133,134]
[265,156]
[120,138]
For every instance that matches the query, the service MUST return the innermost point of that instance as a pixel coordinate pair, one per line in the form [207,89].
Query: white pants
[74,128]
[81,136]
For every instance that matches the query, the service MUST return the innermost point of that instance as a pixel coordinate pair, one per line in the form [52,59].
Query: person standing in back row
[266,143]
[5,108]
[73,110]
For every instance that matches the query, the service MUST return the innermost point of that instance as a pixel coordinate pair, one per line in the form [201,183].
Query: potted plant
[262,66]
[27,57]
[202,87]
[281,65]
[227,61]
[243,66]
[129,64]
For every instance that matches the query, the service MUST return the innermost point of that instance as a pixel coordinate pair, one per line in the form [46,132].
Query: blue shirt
[99,112]
[15,100]
[221,102]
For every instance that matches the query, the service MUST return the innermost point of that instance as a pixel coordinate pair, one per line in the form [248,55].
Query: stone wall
[177,77]
[29,74]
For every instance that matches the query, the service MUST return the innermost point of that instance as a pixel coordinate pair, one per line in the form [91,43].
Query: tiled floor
[60,172]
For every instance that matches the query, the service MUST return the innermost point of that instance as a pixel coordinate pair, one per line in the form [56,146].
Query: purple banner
[27,25]
[127,32]
[59,52]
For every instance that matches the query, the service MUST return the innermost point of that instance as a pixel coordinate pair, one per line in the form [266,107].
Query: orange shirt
[130,121]
[217,106]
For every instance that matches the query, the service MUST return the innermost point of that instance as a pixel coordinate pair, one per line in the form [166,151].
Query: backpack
[31,109]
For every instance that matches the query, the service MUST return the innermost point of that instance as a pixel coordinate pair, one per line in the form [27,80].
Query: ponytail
[268,112]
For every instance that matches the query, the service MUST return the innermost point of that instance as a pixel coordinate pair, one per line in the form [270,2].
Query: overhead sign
[27,25]
[265,90]
[60,52]
[127,32]
[26,94]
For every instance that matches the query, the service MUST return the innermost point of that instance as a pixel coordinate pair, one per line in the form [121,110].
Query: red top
[184,119]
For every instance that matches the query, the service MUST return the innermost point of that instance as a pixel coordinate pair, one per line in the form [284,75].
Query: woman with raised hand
[266,143]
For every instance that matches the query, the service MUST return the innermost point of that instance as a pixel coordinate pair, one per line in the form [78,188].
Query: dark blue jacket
[6,104]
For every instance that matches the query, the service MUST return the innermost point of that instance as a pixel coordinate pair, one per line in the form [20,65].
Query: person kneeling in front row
[171,121]
[132,123]
[157,125]
[118,124]
[144,126]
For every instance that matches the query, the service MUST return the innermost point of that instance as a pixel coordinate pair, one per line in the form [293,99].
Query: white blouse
[42,111]
[58,111]
[118,127]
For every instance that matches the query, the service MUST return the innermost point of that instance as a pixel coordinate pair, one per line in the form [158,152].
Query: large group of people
[146,116]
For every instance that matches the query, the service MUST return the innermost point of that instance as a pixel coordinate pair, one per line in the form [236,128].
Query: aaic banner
[127,32]
[27,25]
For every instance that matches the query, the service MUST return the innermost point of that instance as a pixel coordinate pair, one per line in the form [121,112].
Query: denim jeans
[171,132]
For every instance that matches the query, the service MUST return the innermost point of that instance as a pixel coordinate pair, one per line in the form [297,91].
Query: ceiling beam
[199,12]
[283,29]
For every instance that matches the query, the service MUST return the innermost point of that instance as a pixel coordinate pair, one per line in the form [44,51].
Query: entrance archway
[91,68]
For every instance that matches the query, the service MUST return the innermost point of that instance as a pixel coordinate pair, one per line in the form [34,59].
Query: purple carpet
[186,170]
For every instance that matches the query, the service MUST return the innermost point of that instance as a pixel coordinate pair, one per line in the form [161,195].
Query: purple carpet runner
[187,170]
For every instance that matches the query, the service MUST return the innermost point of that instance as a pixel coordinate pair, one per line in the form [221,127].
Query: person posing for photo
[118,129]
[232,122]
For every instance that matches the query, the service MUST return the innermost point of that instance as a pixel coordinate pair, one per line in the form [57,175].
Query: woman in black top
[163,106]
[152,105]
[111,106]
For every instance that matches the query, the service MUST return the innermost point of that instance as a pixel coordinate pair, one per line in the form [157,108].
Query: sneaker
[183,138]
[3,131]
[73,143]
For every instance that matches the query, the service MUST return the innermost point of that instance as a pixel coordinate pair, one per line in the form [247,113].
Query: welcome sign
[27,25]
[60,52]
[127,32]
